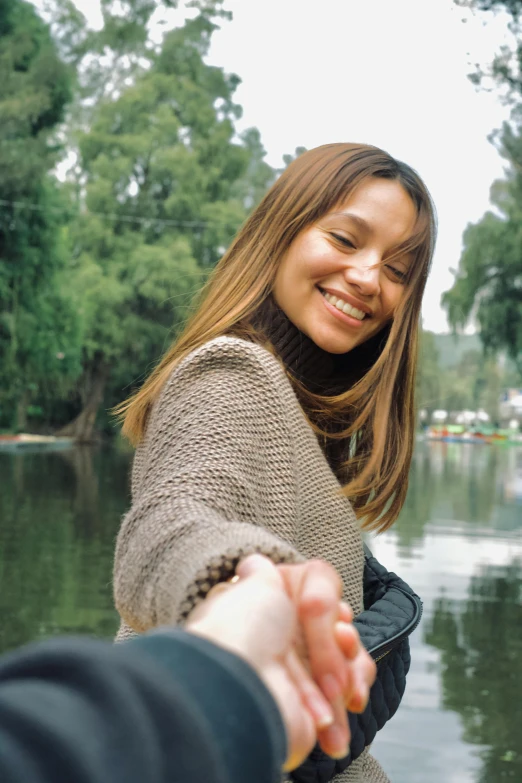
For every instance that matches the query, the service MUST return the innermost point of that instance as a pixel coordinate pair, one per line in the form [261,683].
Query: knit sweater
[229,466]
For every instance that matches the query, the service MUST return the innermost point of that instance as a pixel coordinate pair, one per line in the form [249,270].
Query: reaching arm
[214,482]
[166,708]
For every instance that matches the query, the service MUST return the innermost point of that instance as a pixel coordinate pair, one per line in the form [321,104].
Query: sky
[393,74]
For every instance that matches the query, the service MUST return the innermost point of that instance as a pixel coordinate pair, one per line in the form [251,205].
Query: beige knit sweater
[229,465]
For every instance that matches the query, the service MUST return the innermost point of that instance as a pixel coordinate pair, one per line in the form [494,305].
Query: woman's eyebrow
[361,222]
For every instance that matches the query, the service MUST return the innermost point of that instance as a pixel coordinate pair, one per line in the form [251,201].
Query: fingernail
[330,687]
[322,713]
[339,748]
[359,700]
[346,630]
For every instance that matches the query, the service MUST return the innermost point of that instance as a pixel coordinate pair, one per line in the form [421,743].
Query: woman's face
[334,282]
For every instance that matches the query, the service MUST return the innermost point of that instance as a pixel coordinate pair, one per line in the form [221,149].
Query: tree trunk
[82,427]
[21,411]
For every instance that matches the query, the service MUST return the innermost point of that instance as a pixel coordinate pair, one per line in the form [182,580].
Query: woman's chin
[333,343]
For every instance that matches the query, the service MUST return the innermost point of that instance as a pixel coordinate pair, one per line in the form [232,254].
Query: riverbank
[28,442]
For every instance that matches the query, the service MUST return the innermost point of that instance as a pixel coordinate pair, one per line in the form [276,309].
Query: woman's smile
[345,304]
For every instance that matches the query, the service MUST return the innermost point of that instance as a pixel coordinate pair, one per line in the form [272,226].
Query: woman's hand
[331,646]
[256,619]
[288,622]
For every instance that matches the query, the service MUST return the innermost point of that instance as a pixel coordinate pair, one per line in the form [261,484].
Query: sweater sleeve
[167,708]
[214,483]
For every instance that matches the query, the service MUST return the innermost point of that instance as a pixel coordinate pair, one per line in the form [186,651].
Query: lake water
[458,543]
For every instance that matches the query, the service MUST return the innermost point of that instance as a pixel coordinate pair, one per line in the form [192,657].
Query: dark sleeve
[164,708]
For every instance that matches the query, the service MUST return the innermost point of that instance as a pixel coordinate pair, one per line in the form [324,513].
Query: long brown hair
[379,410]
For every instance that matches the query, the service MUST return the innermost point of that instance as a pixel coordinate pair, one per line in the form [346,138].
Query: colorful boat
[457,433]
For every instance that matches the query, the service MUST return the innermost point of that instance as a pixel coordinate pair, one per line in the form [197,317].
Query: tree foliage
[162,183]
[98,271]
[506,69]
[471,382]
[488,283]
[38,334]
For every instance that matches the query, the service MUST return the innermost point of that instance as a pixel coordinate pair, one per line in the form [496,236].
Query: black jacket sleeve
[165,708]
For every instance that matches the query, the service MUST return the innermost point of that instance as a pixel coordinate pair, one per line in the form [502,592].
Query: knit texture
[229,466]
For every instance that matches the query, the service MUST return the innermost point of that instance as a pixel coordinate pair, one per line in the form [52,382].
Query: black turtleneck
[321,372]
[317,370]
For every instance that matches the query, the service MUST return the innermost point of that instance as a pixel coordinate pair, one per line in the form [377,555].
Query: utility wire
[113,216]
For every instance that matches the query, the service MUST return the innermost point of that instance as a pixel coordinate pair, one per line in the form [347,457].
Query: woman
[282,419]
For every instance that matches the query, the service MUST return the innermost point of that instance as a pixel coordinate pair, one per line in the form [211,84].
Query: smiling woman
[282,419]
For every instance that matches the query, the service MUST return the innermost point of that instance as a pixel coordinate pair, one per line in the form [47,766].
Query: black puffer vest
[392,611]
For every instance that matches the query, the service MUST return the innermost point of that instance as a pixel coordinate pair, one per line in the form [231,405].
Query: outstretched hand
[331,646]
[290,625]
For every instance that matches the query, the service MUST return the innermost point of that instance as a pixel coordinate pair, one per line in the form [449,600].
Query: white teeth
[344,307]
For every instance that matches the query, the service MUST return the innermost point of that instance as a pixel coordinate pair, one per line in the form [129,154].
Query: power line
[115,217]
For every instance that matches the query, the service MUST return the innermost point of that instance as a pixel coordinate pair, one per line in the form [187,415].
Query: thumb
[260,566]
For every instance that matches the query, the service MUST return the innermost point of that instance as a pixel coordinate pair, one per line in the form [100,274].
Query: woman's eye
[399,275]
[343,240]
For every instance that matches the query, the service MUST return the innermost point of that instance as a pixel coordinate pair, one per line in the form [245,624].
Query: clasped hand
[291,626]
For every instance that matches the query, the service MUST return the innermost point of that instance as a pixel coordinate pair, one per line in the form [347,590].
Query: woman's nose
[365,274]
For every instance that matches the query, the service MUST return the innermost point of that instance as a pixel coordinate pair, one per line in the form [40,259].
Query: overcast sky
[388,73]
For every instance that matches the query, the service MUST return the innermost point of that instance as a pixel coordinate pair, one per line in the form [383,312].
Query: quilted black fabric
[392,611]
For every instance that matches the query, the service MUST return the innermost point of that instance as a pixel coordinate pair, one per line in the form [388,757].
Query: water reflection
[59,514]
[458,542]
[481,648]
[462,488]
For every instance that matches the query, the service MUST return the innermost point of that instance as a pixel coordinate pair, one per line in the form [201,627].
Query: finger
[312,698]
[348,640]
[335,739]
[318,611]
[363,671]
[259,565]
[361,668]
[345,612]
[321,590]
[293,577]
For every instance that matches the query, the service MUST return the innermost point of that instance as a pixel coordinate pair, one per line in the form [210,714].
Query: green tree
[475,384]
[488,282]
[166,185]
[428,378]
[506,69]
[38,333]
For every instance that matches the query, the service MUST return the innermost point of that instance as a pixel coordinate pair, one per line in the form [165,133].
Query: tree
[166,187]
[428,378]
[454,375]
[38,331]
[506,68]
[488,283]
